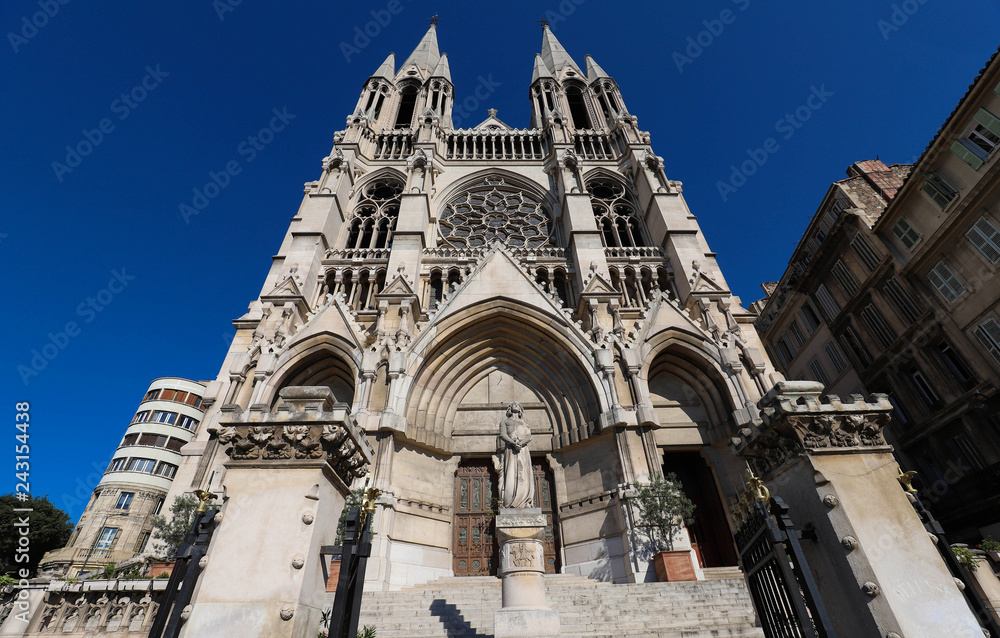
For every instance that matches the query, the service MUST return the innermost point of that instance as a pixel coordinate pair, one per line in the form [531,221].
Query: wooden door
[475,551]
[545,499]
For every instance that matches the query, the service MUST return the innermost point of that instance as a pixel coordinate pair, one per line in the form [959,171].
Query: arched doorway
[710,535]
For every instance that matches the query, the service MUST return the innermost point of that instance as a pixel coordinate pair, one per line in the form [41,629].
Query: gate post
[285,484]
[875,565]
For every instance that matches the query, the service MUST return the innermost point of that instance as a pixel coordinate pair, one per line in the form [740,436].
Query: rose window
[494,211]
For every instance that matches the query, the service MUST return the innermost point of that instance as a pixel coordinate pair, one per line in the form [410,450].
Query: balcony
[393,145]
[594,145]
[494,145]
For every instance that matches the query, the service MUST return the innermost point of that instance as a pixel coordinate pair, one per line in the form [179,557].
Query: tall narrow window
[809,318]
[905,233]
[845,278]
[865,252]
[940,191]
[616,214]
[945,282]
[986,238]
[877,325]
[578,107]
[826,302]
[107,538]
[819,374]
[407,102]
[834,354]
[988,333]
[981,140]
[375,216]
[900,300]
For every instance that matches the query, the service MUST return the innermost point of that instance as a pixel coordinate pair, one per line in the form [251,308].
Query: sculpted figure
[518,483]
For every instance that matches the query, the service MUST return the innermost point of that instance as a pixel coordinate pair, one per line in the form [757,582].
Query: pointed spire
[426,55]
[541,71]
[553,53]
[442,70]
[388,68]
[594,70]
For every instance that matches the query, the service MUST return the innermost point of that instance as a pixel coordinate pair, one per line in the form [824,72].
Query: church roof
[388,68]
[554,54]
[594,70]
[426,55]
[442,70]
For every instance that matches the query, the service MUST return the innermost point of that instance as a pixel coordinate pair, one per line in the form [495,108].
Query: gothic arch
[689,359]
[505,338]
[322,359]
[542,192]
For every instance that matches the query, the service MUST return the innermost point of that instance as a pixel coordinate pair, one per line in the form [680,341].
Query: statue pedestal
[522,565]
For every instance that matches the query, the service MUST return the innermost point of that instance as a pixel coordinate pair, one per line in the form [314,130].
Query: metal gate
[781,585]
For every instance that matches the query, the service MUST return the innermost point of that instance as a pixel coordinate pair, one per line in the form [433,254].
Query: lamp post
[93,545]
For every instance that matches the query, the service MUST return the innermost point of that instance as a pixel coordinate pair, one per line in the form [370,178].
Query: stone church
[432,275]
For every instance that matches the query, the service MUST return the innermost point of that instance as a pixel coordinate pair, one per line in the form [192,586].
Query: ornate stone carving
[831,501]
[795,419]
[871,589]
[517,482]
[849,542]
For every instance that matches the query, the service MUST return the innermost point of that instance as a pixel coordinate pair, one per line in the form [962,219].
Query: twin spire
[428,59]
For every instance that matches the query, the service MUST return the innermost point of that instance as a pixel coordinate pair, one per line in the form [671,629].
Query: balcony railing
[519,144]
[357,254]
[634,253]
[393,145]
[594,145]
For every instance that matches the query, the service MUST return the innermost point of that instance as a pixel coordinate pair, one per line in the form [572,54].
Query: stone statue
[518,483]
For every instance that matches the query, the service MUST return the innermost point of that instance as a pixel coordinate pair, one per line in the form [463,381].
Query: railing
[93,557]
[518,144]
[634,253]
[545,252]
[594,145]
[393,145]
[352,254]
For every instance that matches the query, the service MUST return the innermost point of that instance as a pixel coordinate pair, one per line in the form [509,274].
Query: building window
[900,300]
[124,500]
[493,211]
[152,394]
[375,216]
[845,278]
[965,451]
[924,388]
[838,361]
[141,545]
[877,325]
[956,365]
[945,282]
[141,417]
[938,190]
[166,470]
[988,333]
[107,538]
[986,238]
[782,351]
[981,140]
[809,318]
[826,302]
[898,411]
[144,466]
[615,213]
[905,233]
[818,372]
[865,252]
[129,439]
[578,107]
[849,339]
[187,422]
[159,506]
[796,332]
[164,417]
[117,465]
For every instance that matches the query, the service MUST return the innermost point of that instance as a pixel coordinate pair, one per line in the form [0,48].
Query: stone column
[877,569]
[522,568]
[284,490]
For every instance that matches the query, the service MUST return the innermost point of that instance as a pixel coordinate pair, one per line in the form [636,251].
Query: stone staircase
[463,608]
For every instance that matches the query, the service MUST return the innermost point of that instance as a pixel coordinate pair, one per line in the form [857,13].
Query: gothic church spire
[426,56]
[554,54]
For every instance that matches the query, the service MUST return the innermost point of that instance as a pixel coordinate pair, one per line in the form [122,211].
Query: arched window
[375,216]
[407,102]
[615,212]
[495,211]
[578,107]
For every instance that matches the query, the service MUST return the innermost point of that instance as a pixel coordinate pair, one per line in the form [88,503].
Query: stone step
[463,607]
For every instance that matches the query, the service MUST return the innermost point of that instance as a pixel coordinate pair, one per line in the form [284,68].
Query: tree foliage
[664,509]
[49,528]
[171,533]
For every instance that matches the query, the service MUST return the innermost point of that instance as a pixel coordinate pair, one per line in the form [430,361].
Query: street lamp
[97,538]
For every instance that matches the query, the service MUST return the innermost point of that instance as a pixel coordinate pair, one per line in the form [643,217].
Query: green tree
[664,509]
[171,533]
[48,528]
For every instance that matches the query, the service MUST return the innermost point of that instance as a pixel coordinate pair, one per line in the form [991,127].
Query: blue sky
[203,76]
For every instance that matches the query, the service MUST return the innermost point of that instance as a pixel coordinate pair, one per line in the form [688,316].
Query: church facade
[433,275]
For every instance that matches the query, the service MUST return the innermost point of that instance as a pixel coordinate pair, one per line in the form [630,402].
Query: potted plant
[354,499]
[171,533]
[991,547]
[665,510]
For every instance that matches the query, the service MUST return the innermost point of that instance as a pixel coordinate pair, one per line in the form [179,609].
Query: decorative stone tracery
[493,211]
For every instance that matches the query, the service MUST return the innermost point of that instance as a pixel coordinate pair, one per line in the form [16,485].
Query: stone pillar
[284,490]
[522,568]
[987,584]
[877,569]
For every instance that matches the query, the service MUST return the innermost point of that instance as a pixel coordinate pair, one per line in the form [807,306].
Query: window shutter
[827,303]
[988,120]
[945,281]
[835,358]
[905,233]
[988,334]
[986,238]
[966,155]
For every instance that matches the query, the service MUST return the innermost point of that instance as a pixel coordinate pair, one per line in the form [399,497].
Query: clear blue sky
[215,81]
